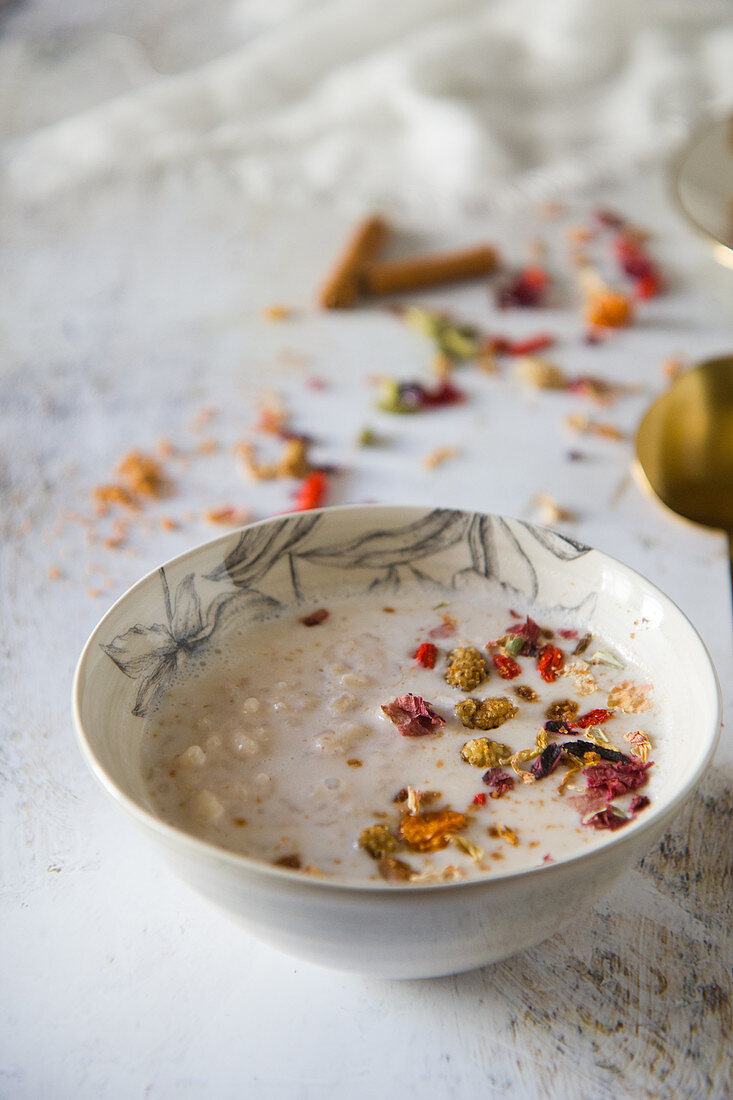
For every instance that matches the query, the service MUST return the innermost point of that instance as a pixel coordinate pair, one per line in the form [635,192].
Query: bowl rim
[179,837]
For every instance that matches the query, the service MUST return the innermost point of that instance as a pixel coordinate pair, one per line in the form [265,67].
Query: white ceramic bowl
[388,929]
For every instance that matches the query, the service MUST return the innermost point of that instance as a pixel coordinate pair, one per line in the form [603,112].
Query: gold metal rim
[722,252]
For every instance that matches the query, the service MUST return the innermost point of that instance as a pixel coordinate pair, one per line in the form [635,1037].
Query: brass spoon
[684,446]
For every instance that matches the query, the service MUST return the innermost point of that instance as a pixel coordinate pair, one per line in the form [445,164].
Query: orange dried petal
[430,831]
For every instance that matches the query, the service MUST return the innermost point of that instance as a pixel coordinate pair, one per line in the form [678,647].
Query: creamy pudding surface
[408,737]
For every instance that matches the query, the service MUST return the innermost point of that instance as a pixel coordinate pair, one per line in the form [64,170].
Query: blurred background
[418,105]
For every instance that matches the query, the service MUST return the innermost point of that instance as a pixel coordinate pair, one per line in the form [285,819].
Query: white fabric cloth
[426,106]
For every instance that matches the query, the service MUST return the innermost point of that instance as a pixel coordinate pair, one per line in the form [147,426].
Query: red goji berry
[592,718]
[507,667]
[312,491]
[425,654]
[479,799]
[549,663]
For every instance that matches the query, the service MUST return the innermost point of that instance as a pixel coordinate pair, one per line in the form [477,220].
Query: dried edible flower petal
[557,726]
[551,511]
[527,288]
[529,632]
[540,373]
[467,668]
[434,875]
[413,716]
[507,667]
[438,456]
[638,803]
[479,799]
[426,655]
[410,397]
[641,743]
[427,832]
[523,757]
[482,752]
[505,833]
[580,748]
[378,841]
[453,340]
[583,425]
[467,846]
[630,698]
[547,761]
[606,819]
[499,781]
[582,645]
[228,516]
[603,657]
[585,682]
[611,780]
[486,714]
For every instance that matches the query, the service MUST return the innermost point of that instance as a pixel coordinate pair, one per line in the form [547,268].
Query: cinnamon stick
[341,288]
[414,272]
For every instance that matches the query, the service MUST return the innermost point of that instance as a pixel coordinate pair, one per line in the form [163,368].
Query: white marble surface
[122,316]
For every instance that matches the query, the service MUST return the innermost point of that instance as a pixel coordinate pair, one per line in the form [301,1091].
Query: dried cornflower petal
[630,698]
[413,716]
[378,841]
[467,668]
[487,714]
[482,752]
[427,832]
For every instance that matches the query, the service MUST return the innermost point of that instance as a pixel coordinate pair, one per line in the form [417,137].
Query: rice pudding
[371,737]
